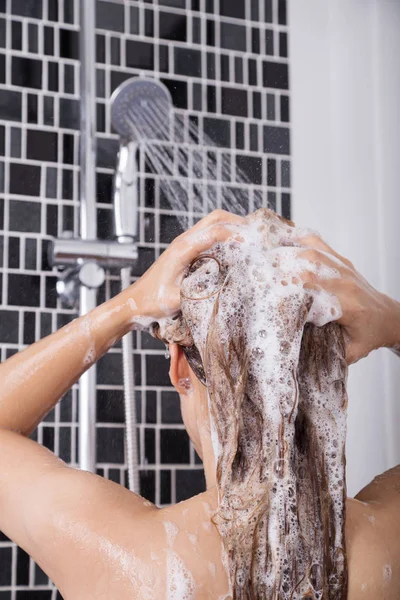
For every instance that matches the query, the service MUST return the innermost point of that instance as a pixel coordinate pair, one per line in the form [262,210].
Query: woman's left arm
[370,319]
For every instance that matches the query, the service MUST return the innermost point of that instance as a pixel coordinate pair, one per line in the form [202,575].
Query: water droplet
[167,353]
[262,333]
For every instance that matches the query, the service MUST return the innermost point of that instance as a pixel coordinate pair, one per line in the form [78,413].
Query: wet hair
[278,430]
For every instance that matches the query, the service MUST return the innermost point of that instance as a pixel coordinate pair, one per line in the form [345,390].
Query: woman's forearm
[33,380]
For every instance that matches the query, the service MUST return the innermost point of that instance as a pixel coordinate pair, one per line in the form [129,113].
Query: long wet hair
[311,512]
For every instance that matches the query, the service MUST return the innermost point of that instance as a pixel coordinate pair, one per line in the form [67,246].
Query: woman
[97,540]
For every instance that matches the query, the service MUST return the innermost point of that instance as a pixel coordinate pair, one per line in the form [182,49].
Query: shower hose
[131,442]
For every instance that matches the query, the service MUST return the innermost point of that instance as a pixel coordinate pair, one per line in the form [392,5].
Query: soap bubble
[279,467]
[258,352]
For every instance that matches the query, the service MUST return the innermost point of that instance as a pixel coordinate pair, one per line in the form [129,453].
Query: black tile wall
[172,26]
[276,140]
[25,216]
[188,483]
[5,571]
[165,484]
[110,16]
[9,321]
[24,179]
[34,595]
[26,72]
[110,406]
[27,9]
[110,445]
[228,68]
[148,484]
[275,75]
[139,54]
[170,408]
[174,446]
[41,145]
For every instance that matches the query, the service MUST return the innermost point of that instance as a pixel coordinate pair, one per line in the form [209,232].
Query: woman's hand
[371,319]
[157,292]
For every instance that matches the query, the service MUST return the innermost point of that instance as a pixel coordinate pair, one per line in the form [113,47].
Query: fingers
[320,258]
[221,216]
[339,288]
[202,240]
[215,217]
[314,241]
[218,226]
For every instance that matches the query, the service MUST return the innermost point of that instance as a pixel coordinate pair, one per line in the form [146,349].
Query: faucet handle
[71,279]
[91,275]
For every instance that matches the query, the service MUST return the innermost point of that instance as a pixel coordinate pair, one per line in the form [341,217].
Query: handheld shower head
[140,108]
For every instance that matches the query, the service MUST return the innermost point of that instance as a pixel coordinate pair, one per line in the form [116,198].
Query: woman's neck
[208,458]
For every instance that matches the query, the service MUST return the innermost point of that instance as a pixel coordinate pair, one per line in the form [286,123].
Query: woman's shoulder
[373,550]
[193,544]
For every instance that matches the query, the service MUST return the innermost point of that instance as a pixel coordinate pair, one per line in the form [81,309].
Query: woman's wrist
[113,319]
[143,306]
[393,326]
[126,311]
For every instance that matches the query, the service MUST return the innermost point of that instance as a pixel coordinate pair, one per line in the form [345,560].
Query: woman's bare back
[175,553]
[95,539]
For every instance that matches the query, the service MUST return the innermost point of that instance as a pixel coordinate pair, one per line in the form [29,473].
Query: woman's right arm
[32,381]
[370,319]
[39,495]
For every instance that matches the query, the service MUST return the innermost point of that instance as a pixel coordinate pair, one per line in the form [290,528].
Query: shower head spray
[140,107]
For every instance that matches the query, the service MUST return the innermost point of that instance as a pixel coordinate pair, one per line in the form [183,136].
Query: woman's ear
[179,372]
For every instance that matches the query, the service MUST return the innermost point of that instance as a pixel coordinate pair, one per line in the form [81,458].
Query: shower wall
[224,62]
[346,152]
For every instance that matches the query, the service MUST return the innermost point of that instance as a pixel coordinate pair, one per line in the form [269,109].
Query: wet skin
[94,538]
[97,540]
